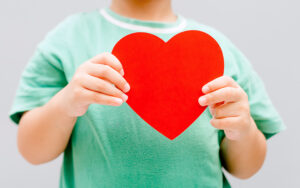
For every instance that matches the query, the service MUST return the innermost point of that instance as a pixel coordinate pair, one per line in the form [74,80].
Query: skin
[42,138]
[147,10]
[244,148]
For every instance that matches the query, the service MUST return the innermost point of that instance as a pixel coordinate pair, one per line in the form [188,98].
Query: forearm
[245,157]
[44,132]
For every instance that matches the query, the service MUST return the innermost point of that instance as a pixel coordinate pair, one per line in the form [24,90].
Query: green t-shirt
[112,146]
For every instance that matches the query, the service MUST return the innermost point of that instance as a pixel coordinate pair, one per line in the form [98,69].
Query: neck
[148,10]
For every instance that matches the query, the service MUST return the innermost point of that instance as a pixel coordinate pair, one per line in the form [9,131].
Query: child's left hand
[228,104]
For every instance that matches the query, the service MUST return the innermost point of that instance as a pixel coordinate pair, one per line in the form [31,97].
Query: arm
[44,132]
[243,149]
[245,157]
[41,137]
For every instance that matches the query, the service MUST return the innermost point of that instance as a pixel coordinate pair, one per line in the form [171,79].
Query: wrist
[59,103]
[251,131]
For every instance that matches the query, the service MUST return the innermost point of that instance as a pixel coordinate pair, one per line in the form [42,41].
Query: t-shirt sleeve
[44,74]
[42,78]
[262,110]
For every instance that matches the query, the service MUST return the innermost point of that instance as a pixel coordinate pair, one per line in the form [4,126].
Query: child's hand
[228,104]
[99,80]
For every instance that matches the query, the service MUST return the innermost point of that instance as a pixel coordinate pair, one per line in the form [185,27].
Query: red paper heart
[166,78]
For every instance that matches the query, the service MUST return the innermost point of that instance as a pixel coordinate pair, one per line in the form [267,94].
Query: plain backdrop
[267,31]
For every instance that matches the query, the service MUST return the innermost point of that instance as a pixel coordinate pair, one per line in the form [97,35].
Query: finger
[102,86]
[227,94]
[211,107]
[225,123]
[109,74]
[110,60]
[100,98]
[218,83]
[226,110]
[215,105]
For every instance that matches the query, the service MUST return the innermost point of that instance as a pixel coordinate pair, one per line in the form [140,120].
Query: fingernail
[202,101]
[205,89]
[122,72]
[118,101]
[124,97]
[126,88]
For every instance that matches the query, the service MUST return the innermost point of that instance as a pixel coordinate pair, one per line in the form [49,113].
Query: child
[72,94]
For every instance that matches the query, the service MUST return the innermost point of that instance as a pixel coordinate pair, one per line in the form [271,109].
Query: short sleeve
[262,109]
[42,78]
[44,74]
[237,66]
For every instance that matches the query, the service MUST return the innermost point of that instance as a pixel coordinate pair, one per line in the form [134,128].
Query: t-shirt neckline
[141,25]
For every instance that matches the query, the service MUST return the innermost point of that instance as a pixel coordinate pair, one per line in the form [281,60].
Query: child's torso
[113,147]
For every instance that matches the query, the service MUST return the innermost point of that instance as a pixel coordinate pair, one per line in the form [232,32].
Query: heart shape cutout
[166,78]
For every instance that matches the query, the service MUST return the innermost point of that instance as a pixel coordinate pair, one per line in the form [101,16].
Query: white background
[266,31]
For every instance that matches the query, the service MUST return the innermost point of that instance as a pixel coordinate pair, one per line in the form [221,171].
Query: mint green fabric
[112,146]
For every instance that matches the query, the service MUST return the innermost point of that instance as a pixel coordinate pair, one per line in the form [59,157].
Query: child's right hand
[99,80]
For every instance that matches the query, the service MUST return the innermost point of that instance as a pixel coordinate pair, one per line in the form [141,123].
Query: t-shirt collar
[143,26]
